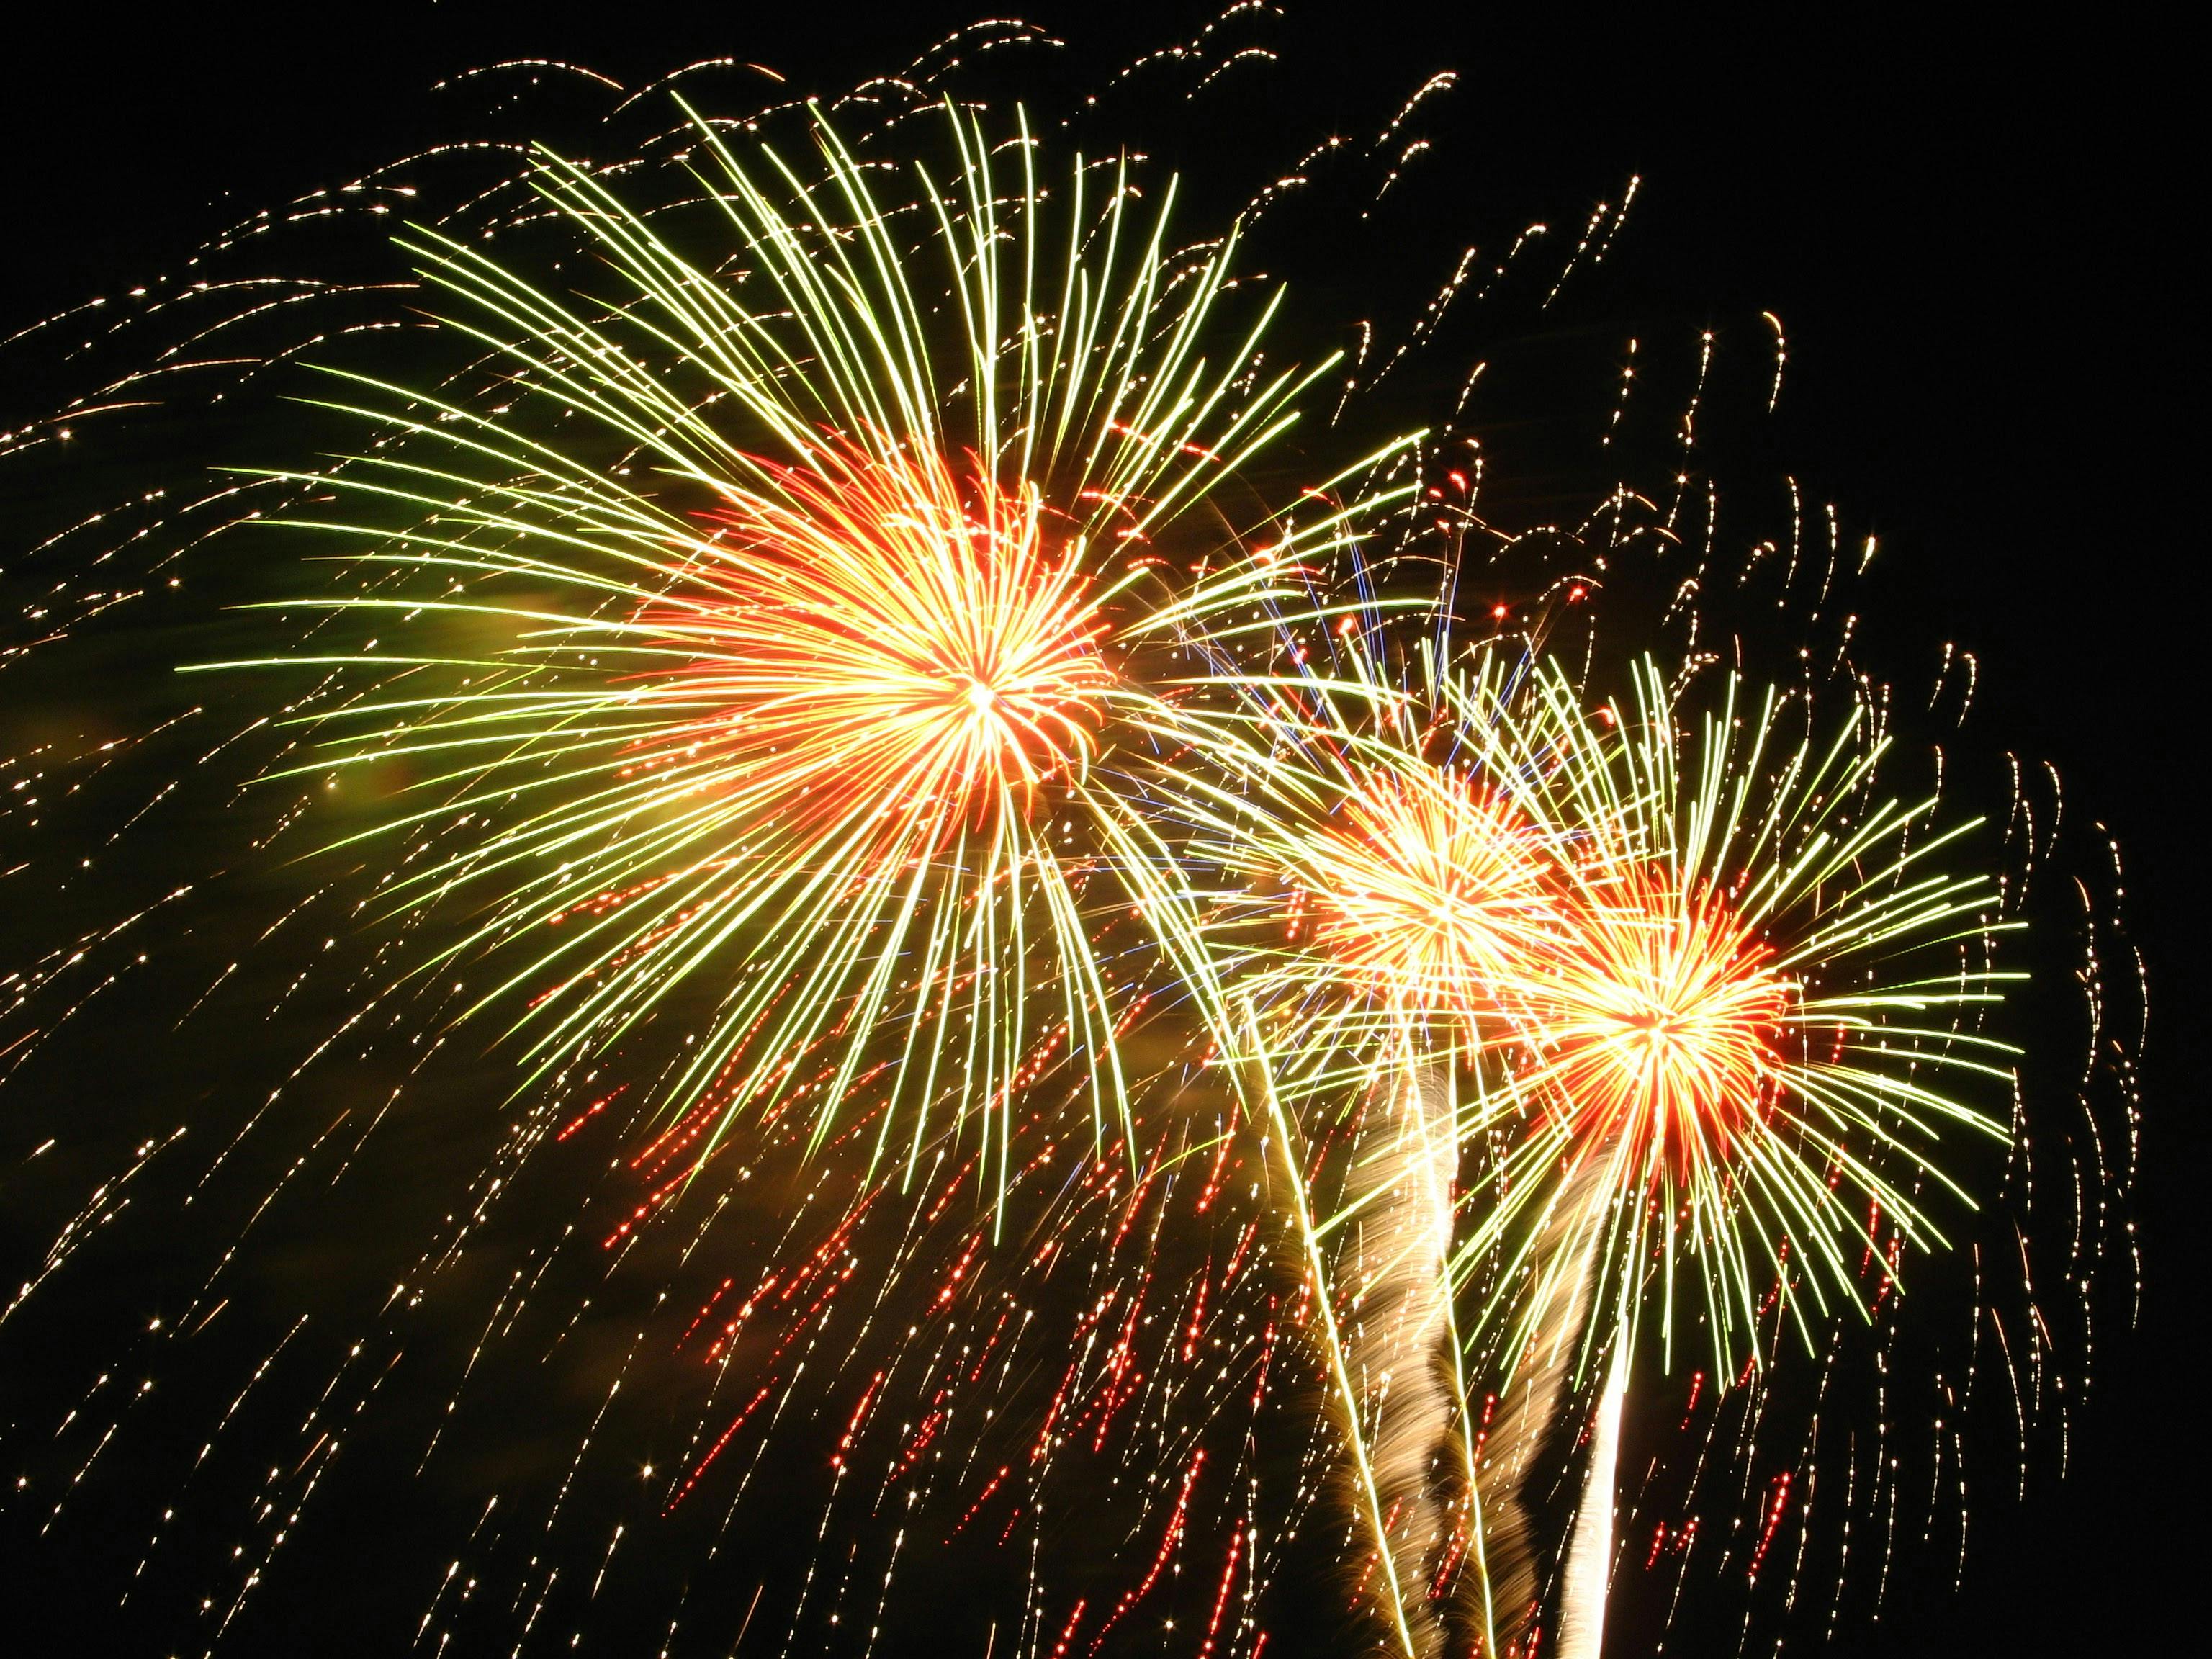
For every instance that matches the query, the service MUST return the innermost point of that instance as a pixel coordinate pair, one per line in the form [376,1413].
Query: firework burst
[1750,1048]
[1395,865]
[850,739]
[1434,892]
[1761,1019]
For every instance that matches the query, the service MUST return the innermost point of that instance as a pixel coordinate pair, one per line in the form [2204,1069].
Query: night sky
[1974,237]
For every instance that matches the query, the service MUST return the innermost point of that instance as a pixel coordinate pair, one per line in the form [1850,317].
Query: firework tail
[1400,1333]
[1590,1556]
[1562,1266]
[1257,1084]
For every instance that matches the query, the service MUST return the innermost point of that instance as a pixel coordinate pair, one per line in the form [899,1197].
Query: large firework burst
[824,598]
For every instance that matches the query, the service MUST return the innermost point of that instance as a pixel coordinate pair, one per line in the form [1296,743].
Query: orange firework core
[888,640]
[1432,892]
[1656,1022]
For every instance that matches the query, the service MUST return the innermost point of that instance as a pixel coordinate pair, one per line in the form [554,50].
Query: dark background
[1974,231]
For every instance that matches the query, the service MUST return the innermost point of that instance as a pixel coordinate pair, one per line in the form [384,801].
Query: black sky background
[1975,232]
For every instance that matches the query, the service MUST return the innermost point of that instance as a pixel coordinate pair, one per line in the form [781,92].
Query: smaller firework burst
[1433,891]
[1396,862]
[1758,1017]
[1752,1045]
